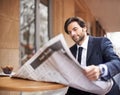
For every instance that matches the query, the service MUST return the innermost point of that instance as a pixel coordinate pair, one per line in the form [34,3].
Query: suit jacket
[100,51]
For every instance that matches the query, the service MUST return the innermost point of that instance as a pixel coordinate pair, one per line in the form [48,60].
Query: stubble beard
[81,38]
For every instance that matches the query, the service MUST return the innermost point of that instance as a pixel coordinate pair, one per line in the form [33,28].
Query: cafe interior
[26,25]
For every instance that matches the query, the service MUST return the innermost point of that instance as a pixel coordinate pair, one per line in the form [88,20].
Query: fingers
[92,72]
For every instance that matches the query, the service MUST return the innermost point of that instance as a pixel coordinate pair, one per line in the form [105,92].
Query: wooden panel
[9,9]
[9,35]
[9,32]
[9,23]
[69,8]
[57,16]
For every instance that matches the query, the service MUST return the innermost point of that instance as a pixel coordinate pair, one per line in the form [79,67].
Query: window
[33,27]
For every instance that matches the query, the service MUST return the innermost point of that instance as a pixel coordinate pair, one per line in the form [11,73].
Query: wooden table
[15,84]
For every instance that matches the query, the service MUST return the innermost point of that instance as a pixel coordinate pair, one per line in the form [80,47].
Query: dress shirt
[84,52]
[103,67]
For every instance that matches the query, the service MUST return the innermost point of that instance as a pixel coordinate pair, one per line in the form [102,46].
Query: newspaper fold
[54,63]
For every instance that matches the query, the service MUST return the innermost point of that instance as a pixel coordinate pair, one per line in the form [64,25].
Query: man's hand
[92,72]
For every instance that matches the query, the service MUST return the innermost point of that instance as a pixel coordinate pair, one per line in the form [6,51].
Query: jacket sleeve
[111,59]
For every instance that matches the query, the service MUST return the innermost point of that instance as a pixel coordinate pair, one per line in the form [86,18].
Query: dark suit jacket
[100,51]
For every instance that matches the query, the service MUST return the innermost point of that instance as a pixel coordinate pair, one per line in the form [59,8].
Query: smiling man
[97,56]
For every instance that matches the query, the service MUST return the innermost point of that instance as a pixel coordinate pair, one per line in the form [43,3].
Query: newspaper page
[55,63]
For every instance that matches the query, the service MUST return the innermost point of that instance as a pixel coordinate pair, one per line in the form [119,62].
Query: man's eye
[75,29]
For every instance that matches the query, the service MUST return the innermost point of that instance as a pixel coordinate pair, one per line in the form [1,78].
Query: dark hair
[80,21]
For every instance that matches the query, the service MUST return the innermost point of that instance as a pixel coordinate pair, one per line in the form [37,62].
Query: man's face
[76,32]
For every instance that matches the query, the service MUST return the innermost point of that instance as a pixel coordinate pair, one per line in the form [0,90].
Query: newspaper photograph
[55,63]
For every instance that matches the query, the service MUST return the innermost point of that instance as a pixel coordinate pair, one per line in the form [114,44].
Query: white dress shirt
[84,52]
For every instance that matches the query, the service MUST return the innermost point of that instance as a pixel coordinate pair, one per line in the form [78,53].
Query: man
[98,57]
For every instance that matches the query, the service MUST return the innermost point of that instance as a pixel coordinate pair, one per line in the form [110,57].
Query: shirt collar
[85,43]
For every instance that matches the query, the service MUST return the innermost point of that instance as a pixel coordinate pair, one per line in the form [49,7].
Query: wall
[62,9]
[9,36]
[9,32]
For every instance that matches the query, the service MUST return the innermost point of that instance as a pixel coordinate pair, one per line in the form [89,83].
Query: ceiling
[107,12]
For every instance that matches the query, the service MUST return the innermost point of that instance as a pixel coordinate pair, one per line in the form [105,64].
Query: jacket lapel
[90,48]
[73,49]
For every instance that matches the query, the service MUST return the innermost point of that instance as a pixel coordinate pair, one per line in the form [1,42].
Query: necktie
[79,54]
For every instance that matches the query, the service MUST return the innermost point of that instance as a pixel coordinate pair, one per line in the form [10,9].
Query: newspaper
[54,63]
